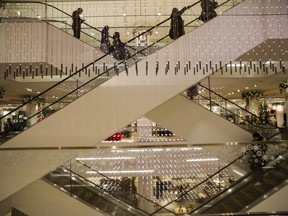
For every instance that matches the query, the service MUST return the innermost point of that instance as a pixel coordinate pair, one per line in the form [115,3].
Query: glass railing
[192,197]
[89,193]
[160,183]
[232,112]
[253,187]
[77,82]
[256,167]
[123,189]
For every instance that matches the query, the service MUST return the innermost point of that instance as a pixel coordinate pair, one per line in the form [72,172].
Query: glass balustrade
[90,193]
[121,189]
[204,96]
[255,186]
[158,176]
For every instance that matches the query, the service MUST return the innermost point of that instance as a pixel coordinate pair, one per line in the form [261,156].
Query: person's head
[175,11]
[257,136]
[116,35]
[80,10]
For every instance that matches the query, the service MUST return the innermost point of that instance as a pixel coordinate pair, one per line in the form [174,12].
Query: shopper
[9,127]
[120,50]
[255,157]
[105,45]
[208,10]
[177,23]
[76,22]
[256,153]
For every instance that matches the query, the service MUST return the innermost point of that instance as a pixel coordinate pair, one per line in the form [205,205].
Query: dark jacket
[120,50]
[177,23]
[76,19]
[105,40]
[208,10]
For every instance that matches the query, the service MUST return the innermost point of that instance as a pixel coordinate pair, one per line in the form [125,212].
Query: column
[280,115]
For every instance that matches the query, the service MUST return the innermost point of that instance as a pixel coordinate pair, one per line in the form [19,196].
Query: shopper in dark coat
[120,50]
[177,23]
[77,21]
[208,10]
[105,45]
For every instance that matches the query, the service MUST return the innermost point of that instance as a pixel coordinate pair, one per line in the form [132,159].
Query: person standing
[105,45]
[77,21]
[120,50]
[9,127]
[177,23]
[208,10]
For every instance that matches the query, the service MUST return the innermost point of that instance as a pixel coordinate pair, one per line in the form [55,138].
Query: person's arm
[188,7]
[82,20]
[182,10]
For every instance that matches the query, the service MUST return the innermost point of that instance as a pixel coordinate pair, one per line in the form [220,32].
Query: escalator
[246,192]
[231,114]
[90,194]
[215,194]
[229,109]
[100,107]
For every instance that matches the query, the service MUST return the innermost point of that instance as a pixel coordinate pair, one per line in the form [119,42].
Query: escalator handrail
[100,189]
[258,126]
[90,168]
[225,190]
[235,104]
[279,133]
[202,182]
